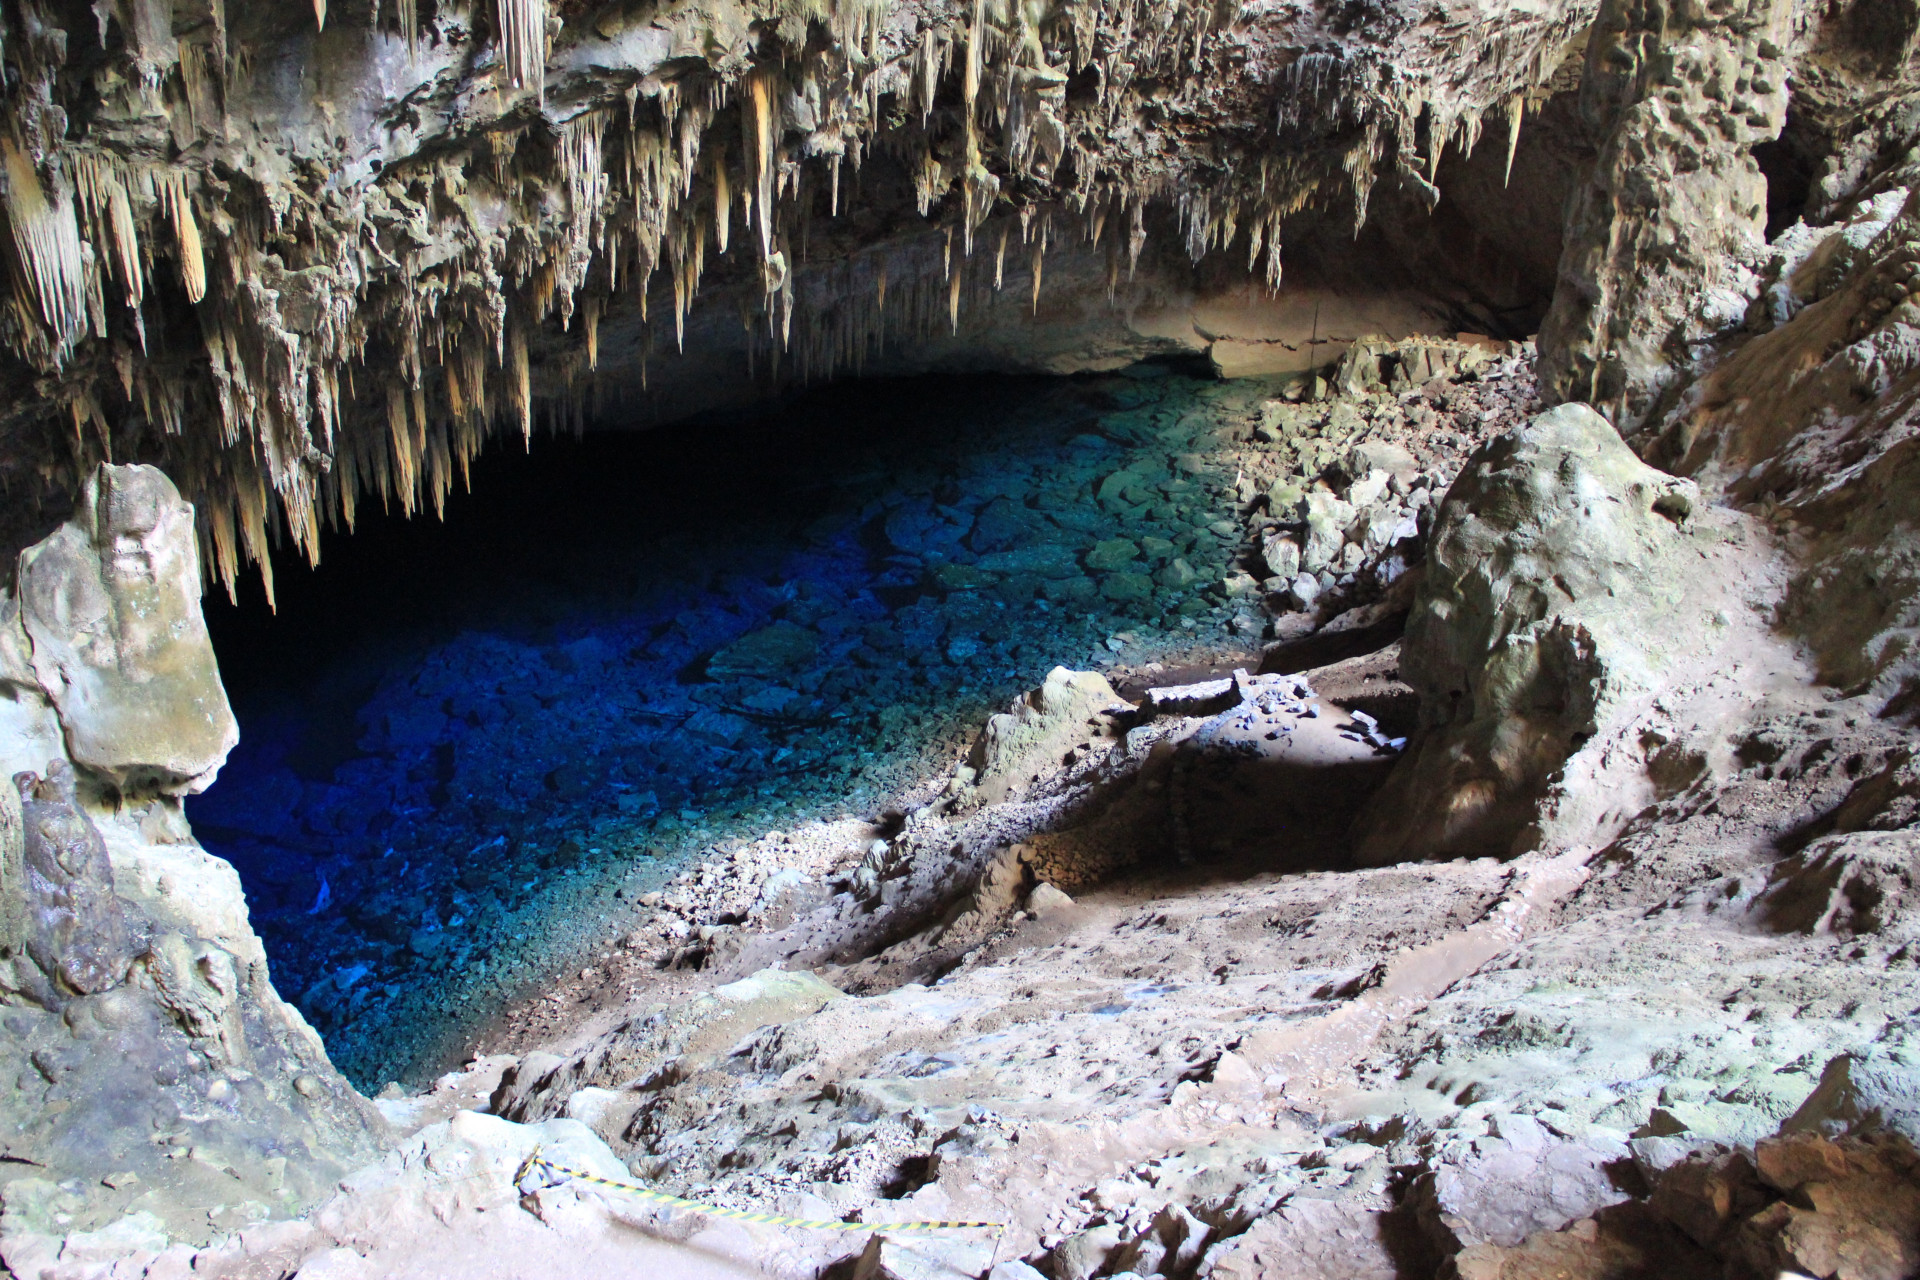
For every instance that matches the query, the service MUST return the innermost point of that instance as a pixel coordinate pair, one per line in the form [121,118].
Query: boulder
[1866,882]
[1028,740]
[1502,1189]
[1560,581]
[111,604]
[1326,517]
[1282,556]
[1862,1092]
[1314,1240]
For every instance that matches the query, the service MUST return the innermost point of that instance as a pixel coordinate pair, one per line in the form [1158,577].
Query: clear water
[468,746]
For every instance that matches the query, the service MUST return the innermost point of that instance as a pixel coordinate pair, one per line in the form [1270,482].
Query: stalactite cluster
[297,319]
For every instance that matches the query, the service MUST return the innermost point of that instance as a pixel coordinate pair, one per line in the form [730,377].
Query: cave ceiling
[308,257]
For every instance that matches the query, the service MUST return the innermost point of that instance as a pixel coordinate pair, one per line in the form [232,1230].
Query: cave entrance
[470,745]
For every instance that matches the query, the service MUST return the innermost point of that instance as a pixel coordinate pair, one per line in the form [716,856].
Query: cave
[586,684]
[1115,640]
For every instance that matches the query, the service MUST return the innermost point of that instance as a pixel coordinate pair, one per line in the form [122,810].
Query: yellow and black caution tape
[537,1161]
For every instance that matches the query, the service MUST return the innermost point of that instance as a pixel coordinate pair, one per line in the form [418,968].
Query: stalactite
[926,63]
[46,242]
[1516,108]
[193,265]
[636,200]
[760,140]
[523,43]
[320,15]
[520,381]
[103,196]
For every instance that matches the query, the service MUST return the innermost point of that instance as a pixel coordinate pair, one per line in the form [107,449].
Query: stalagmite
[1000,258]
[953,302]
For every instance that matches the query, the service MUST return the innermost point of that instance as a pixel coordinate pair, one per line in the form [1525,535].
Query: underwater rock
[770,651]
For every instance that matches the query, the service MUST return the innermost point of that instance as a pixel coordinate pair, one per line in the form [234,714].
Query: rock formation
[150,1058]
[1541,902]
[1567,583]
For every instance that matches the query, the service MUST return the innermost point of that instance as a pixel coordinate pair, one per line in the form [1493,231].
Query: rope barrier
[537,1161]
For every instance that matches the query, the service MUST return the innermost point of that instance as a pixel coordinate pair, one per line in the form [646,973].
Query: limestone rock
[74,929]
[1628,1244]
[1506,1188]
[1556,586]
[1662,240]
[1852,1210]
[668,1045]
[1021,744]
[111,602]
[1864,883]
[13,870]
[1862,1092]
[923,1258]
[1314,1240]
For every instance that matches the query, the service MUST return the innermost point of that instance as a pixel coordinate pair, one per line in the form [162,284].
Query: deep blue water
[468,746]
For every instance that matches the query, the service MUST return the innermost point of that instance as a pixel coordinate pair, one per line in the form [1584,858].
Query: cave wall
[145,1045]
